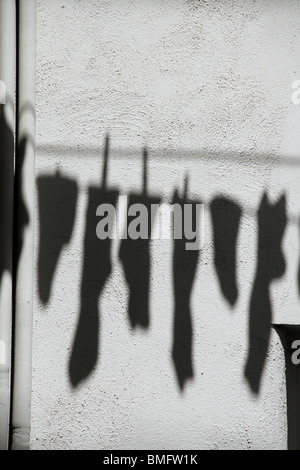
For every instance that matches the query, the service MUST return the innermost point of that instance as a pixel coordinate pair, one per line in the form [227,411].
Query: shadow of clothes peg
[57,201]
[184,270]
[272,220]
[97,268]
[135,251]
[226,215]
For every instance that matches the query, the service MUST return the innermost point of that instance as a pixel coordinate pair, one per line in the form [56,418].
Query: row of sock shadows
[57,208]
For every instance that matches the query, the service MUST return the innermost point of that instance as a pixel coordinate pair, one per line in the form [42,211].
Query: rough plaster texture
[207,87]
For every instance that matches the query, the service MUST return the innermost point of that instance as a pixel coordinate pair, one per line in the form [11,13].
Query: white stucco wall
[206,86]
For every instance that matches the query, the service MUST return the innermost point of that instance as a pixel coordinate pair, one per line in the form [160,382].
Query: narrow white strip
[2,353]
[2,92]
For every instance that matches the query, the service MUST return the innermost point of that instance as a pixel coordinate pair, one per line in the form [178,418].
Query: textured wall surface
[207,87]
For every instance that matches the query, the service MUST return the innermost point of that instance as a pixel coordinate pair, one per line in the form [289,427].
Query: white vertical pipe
[8,80]
[25,170]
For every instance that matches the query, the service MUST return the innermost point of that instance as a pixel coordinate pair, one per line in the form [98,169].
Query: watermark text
[157,222]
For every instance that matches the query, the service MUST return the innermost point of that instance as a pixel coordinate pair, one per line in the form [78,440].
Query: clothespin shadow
[57,202]
[135,253]
[96,271]
[184,270]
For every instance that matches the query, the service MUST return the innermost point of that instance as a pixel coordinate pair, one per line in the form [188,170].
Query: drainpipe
[24,226]
[7,125]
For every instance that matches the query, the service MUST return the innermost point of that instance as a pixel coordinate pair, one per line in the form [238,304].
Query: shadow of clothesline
[237,157]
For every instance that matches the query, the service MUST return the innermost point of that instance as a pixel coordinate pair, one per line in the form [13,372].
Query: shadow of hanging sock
[184,270]
[57,200]
[135,253]
[270,265]
[96,271]
[226,216]
[135,258]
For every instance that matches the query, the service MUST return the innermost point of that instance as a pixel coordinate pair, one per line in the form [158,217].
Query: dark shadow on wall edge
[14,216]
[6,193]
[288,334]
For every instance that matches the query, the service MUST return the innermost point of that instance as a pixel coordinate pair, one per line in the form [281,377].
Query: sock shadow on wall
[270,265]
[184,270]
[96,271]
[226,216]
[135,253]
[57,201]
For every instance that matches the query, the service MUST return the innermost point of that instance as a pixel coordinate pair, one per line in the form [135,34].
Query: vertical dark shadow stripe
[135,255]
[96,271]
[270,265]
[226,216]
[57,200]
[184,270]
